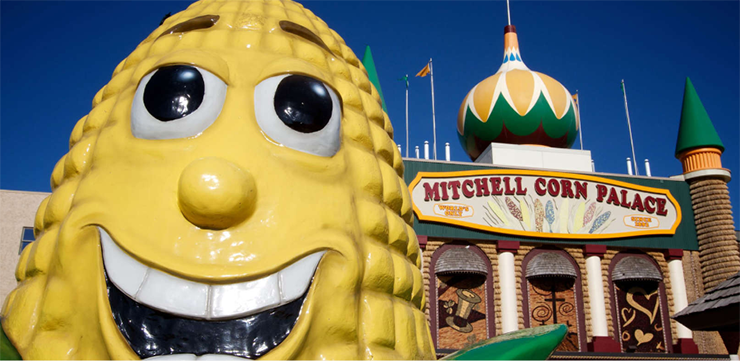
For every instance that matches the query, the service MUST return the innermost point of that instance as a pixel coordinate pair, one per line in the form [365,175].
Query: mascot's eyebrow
[293,28]
[201,22]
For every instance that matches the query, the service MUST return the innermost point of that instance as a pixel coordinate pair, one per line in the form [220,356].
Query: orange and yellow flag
[424,72]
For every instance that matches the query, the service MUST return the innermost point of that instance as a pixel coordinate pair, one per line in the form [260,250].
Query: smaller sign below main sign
[544,204]
[453,210]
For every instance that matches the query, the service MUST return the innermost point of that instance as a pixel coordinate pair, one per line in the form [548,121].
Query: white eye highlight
[176,101]
[299,112]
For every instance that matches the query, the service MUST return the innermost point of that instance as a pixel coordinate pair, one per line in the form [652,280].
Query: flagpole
[508,12]
[580,122]
[434,119]
[407,115]
[629,126]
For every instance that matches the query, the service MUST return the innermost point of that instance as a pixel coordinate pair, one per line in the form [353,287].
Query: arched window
[639,307]
[552,294]
[461,297]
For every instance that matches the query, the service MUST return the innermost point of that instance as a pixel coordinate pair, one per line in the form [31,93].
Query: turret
[699,149]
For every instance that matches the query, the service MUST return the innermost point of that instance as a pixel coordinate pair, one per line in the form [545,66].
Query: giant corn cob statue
[235,190]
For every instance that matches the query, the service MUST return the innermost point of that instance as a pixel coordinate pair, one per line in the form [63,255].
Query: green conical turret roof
[696,129]
[372,73]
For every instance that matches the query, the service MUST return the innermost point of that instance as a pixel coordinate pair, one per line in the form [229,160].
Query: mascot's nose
[214,193]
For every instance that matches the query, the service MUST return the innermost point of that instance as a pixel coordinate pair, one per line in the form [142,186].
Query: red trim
[603,344]
[594,250]
[509,29]
[581,315]
[507,246]
[661,291]
[673,254]
[422,241]
[432,299]
[686,346]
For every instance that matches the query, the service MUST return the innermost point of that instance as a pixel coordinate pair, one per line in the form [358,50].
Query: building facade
[502,257]
[529,235]
[17,214]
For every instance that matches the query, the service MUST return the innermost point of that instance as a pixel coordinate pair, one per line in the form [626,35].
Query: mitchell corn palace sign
[544,204]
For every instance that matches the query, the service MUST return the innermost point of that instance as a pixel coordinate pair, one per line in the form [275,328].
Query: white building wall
[537,157]
[17,210]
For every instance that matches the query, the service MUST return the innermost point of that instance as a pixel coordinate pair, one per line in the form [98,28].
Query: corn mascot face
[234,191]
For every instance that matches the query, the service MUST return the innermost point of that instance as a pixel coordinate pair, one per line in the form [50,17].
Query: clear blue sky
[54,56]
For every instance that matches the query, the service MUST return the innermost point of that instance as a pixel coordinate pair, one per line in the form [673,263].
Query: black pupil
[174,92]
[303,103]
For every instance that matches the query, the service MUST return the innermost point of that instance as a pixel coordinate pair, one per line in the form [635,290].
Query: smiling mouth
[160,314]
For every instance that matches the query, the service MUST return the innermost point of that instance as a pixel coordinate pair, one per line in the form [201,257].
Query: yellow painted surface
[521,89]
[483,96]
[273,205]
[557,94]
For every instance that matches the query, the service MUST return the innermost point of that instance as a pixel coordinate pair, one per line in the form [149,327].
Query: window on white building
[26,238]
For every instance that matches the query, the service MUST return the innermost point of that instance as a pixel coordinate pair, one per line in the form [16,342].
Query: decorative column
[685,342]
[601,341]
[507,283]
[699,148]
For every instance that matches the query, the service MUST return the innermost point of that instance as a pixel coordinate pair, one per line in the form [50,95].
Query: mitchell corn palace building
[528,235]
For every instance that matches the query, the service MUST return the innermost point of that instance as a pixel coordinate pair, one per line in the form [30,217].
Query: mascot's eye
[303,103]
[299,112]
[174,92]
[176,101]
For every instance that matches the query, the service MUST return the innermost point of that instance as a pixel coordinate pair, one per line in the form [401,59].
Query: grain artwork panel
[461,305]
[552,300]
[640,318]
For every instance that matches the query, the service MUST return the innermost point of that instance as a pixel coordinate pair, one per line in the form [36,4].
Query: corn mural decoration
[550,214]
[539,215]
[235,190]
[565,218]
[589,213]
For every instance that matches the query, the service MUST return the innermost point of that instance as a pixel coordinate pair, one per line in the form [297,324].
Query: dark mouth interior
[151,333]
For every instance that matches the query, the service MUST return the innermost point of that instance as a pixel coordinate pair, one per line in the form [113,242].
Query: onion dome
[516,106]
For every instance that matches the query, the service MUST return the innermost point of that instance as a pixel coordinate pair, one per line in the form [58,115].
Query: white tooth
[174,295]
[295,279]
[178,296]
[219,357]
[179,356]
[125,272]
[241,299]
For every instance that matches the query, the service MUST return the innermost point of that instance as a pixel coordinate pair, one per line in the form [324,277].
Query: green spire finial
[372,73]
[696,129]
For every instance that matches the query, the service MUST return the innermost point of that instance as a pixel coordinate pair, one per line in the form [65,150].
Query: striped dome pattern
[517,106]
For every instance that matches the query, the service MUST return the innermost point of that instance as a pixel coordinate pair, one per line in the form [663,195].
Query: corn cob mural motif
[539,215]
[601,221]
[518,106]
[589,215]
[550,214]
[235,190]
[562,219]
[513,209]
